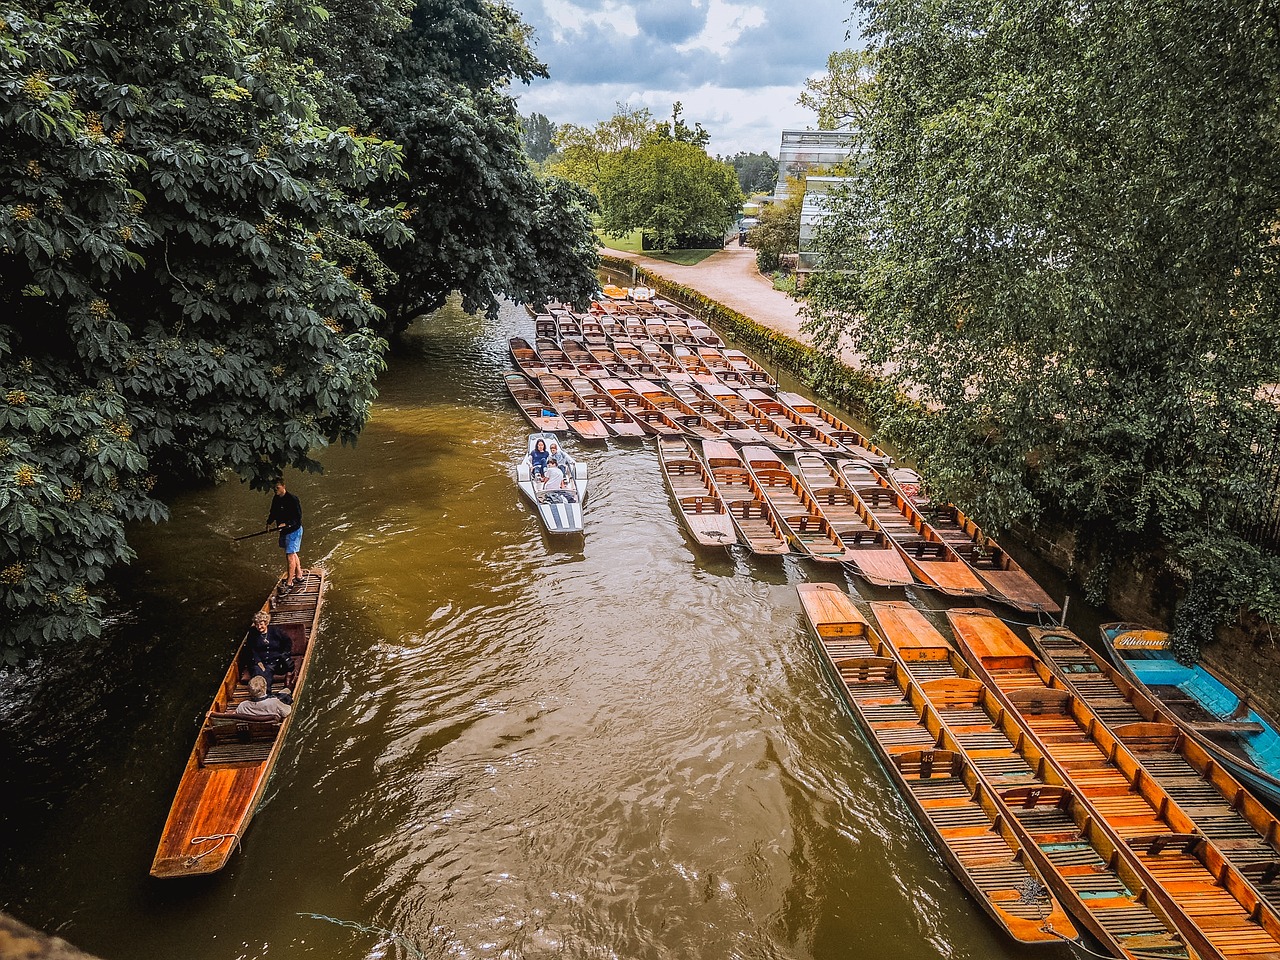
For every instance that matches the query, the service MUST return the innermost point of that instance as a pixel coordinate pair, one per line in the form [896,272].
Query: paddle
[249,536]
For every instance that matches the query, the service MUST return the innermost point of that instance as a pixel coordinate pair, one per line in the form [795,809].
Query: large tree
[845,95]
[1064,243]
[478,211]
[757,172]
[175,274]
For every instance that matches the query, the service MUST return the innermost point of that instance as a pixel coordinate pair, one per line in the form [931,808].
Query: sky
[737,66]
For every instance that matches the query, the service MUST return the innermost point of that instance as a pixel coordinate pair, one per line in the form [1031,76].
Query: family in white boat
[552,469]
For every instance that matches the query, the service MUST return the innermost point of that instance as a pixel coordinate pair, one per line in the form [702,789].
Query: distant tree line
[212,217]
[1070,260]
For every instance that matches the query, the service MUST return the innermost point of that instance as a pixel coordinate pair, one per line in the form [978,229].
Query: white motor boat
[560,509]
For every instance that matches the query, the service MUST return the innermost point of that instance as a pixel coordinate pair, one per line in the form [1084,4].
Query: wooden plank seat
[230,739]
[1152,845]
[696,505]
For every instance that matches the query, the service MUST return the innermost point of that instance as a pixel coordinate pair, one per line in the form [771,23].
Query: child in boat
[538,460]
[560,458]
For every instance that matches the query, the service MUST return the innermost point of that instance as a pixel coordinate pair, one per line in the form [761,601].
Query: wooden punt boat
[680,332]
[1092,874]
[533,404]
[1006,580]
[526,358]
[854,443]
[664,361]
[870,551]
[545,327]
[756,375]
[1240,735]
[693,364]
[693,423]
[640,366]
[808,530]
[704,335]
[1247,832]
[614,365]
[583,360]
[613,326]
[593,332]
[757,523]
[581,421]
[769,432]
[568,327]
[812,437]
[229,766]
[701,508]
[734,429]
[658,332]
[1215,908]
[654,420]
[615,417]
[929,558]
[725,372]
[560,514]
[635,328]
[942,787]
[557,361]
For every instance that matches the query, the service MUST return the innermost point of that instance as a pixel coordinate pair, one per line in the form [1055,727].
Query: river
[508,748]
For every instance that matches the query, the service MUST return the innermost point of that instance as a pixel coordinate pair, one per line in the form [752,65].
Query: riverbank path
[730,277]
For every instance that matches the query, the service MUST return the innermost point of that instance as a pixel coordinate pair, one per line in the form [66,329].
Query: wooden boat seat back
[949,693]
[749,510]
[869,670]
[1144,737]
[1041,701]
[1152,845]
[227,739]
[927,764]
[696,505]
[1038,795]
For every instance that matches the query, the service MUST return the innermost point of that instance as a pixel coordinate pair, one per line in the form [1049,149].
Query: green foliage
[483,222]
[757,172]
[778,231]
[175,251]
[539,136]
[1071,261]
[670,189]
[845,95]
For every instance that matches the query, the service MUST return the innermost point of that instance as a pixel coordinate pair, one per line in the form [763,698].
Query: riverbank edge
[1141,589]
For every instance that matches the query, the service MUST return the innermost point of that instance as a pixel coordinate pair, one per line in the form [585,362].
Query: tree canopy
[778,231]
[195,234]
[757,172]
[845,95]
[1071,262]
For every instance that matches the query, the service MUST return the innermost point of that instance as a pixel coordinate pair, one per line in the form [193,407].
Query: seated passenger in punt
[560,458]
[538,460]
[262,705]
[556,486]
[269,648]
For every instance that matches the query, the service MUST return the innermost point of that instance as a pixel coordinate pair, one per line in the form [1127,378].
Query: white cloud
[725,24]
[568,18]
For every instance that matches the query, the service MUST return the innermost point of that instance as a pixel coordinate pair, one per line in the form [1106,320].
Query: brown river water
[508,748]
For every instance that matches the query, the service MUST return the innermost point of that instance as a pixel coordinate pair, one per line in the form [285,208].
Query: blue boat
[1211,709]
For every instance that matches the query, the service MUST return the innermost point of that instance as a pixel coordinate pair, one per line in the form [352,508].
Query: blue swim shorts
[291,542]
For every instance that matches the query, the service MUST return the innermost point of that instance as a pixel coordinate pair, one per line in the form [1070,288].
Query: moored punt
[930,558]
[1241,736]
[568,326]
[615,417]
[583,360]
[870,551]
[941,786]
[786,418]
[593,332]
[533,404]
[1093,875]
[229,766]
[1006,581]
[657,331]
[1215,908]
[664,361]
[692,364]
[557,361]
[613,364]
[755,519]
[701,508]
[640,365]
[526,358]
[704,335]
[808,530]
[613,326]
[769,432]
[734,428]
[725,372]
[680,332]
[654,420]
[837,430]
[755,374]
[581,421]
[545,327]
[1247,833]
[693,423]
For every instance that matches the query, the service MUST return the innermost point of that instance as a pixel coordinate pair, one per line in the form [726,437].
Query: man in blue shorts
[286,514]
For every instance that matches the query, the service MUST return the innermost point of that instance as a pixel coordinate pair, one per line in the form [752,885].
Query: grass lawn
[631,244]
